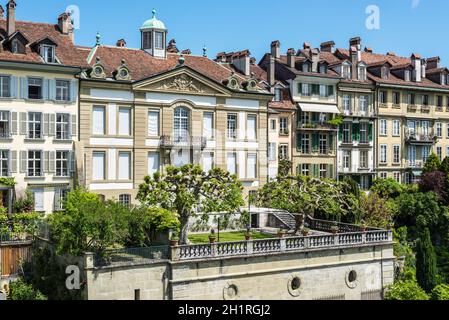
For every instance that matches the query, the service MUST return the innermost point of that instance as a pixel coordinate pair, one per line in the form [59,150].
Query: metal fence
[13,237]
[132,256]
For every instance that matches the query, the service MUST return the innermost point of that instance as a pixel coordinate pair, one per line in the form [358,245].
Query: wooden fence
[12,255]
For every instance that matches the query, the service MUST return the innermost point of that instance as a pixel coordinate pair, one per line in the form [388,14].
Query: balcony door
[182,153]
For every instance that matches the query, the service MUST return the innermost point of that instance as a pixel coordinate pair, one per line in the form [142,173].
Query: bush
[440,292]
[406,290]
[24,204]
[426,262]
[387,188]
[19,290]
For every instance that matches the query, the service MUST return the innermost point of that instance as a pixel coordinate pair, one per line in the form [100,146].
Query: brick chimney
[433,63]
[315,56]
[11,17]
[357,43]
[276,49]
[121,43]
[271,73]
[65,25]
[327,46]
[241,62]
[369,50]
[291,57]
[416,63]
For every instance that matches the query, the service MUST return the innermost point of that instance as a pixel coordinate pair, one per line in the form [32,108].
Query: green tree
[433,163]
[445,166]
[188,189]
[21,291]
[440,292]
[406,290]
[426,262]
[387,188]
[353,186]
[377,212]
[285,168]
[88,224]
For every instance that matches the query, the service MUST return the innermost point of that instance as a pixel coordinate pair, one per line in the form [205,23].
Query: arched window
[181,123]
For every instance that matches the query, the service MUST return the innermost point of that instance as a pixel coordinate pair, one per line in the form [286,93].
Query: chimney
[11,17]
[291,58]
[241,62]
[121,43]
[416,62]
[327,46]
[306,46]
[391,54]
[369,50]
[423,68]
[315,56]
[433,63]
[271,72]
[276,49]
[356,42]
[2,12]
[172,48]
[252,61]
[65,25]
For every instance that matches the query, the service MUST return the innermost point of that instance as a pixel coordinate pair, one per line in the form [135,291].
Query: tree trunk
[183,234]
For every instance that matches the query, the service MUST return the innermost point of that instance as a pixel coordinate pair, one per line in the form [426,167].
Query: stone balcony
[170,142]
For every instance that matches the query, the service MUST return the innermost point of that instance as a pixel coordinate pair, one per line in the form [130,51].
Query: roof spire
[98,38]
[204,51]
[154,13]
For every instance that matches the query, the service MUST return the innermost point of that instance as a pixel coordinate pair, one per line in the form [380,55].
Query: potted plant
[248,234]
[281,233]
[390,225]
[335,228]
[174,240]
[305,232]
[212,236]
[363,226]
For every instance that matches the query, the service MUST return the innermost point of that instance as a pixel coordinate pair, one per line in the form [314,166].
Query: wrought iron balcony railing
[169,142]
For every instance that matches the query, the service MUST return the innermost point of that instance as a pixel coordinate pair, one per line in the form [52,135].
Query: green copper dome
[153,23]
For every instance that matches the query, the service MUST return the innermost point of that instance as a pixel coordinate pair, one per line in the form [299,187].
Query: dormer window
[146,40]
[407,75]
[278,95]
[346,71]
[443,79]
[159,40]
[362,73]
[305,67]
[15,46]
[385,72]
[48,53]
[323,68]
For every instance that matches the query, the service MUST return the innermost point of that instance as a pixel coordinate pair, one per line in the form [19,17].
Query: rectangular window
[251,166]
[60,198]
[232,163]
[5,132]
[283,125]
[383,154]
[251,129]
[383,127]
[425,152]
[305,143]
[412,156]
[283,152]
[62,163]
[383,96]
[273,125]
[439,103]
[396,154]
[35,164]
[5,86]
[363,104]
[98,166]
[322,90]
[440,153]
[347,159]
[347,138]
[425,99]
[323,171]
[397,176]
[4,163]
[153,123]
[38,195]
[153,163]
[346,103]
[232,126]
[364,182]
[363,159]
[439,126]
[305,170]
[34,125]
[396,128]
[383,175]
[277,95]
[411,99]
[124,199]
[62,90]
[396,97]
[305,89]
[323,144]
[159,40]
[99,120]
[272,151]
[364,133]
[124,163]
[48,53]
[124,122]
[35,88]
[62,126]
[208,161]
[208,125]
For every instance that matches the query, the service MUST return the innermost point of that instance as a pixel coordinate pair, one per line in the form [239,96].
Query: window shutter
[52,162]
[24,88]
[72,161]
[340,133]
[330,171]
[13,161]
[46,161]
[23,161]
[315,141]
[74,125]
[14,116]
[51,89]
[57,200]
[52,125]
[330,90]
[370,132]
[14,87]
[298,141]
[45,89]
[355,132]
[23,123]
[316,170]
[331,142]
[153,123]
[73,90]
[46,123]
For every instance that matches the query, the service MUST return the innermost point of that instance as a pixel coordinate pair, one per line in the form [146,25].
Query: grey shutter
[14,87]
[52,162]
[23,123]
[14,119]
[24,88]
[46,161]
[51,89]
[46,123]
[52,125]
[57,200]
[73,90]
[72,162]
[45,89]
[74,125]
[14,161]
[23,161]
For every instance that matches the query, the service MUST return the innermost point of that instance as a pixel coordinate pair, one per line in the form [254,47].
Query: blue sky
[406,26]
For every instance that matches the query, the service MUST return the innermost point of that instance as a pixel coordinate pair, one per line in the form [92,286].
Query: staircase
[286,218]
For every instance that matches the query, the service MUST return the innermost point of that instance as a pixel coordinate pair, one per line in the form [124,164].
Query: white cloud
[415,3]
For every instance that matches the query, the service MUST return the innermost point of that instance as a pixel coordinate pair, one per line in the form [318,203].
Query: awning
[322,108]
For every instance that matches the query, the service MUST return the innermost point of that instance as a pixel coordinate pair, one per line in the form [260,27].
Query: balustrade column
[213,249]
[174,253]
[306,242]
[89,260]
[283,244]
[364,238]
[390,236]
[337,240]
[250,247]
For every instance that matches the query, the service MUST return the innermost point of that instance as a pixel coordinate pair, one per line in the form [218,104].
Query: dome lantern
[154,36]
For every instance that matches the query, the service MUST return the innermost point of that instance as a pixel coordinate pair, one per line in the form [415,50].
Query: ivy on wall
[7,182]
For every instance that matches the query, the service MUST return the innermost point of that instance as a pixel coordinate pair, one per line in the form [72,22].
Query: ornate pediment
[182,83]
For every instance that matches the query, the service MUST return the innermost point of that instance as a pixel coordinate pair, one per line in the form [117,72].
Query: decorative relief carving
[182,83]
